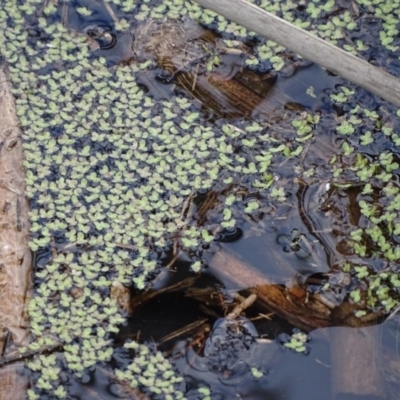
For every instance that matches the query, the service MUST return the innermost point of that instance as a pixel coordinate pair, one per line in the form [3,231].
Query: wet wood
[230,98]
[391,370]
[309,46]
[15,261]
[292,303]
[355,352]
[246,303]
[356,363]
[187,330]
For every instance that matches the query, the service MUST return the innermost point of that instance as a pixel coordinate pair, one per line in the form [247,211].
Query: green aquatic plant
[297,342]
[151,372]
[256,373]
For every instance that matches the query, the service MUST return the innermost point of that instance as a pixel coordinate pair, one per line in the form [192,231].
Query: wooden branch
[309,46]
[15,261]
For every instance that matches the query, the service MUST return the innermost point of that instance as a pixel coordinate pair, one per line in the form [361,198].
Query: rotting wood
[309,46]
[286,303]
[356,363]
[291,302]
[15,257]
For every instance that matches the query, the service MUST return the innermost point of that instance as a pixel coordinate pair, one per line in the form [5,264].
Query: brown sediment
[15,257]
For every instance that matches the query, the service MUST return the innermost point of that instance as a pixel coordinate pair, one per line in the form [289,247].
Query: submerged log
[291,303]
[15,261]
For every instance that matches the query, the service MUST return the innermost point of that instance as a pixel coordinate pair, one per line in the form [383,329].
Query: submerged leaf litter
[112,171]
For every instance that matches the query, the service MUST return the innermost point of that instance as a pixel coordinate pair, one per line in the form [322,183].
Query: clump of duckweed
[341,25]
[369,163]
[151,373]
[297,342]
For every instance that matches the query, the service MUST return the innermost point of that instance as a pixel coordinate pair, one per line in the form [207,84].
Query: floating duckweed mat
[113,173]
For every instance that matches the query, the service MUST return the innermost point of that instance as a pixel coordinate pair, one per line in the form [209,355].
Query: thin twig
[29,355]
[138,300]
[111,12]
[6,343]
[172,262]
[195,77]
[186,206]
[184,331]
[64,13]
[246,303]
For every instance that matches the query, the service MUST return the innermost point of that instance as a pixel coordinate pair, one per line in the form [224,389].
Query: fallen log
[15,257]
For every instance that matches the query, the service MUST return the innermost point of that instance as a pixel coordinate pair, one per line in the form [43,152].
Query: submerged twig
[134,393]
[172,262]
[184,331]
[4,361]
[138,300]
[64,12]
[111,12]
[6,343]
[246,303]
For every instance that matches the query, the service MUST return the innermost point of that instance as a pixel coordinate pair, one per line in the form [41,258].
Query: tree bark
[15,257]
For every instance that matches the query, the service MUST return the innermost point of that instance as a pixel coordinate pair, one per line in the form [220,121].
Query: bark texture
[15,256]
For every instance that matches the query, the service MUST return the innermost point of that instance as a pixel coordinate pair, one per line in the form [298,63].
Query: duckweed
[110,172]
